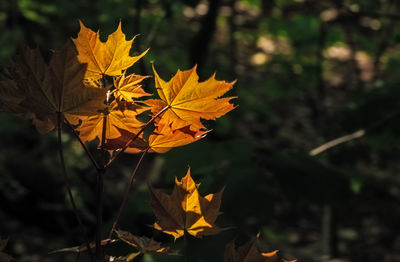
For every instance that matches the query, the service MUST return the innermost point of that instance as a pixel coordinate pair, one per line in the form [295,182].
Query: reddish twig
[100,187]
[128,188]
[83,145]
[136,136]
[67,184]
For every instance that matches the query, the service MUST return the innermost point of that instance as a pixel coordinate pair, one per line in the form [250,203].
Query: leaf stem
[67,184]
[136,136]
[100,187]
[83,145]
[185,246]
[128,188]
[99,213]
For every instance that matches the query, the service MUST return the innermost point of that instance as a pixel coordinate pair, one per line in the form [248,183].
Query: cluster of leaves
[75,87]
[92,93]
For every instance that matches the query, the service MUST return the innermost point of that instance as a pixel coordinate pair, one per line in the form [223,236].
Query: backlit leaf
[117,119]
[128,87]
[161,140]
[189,100]
[104,58]
[185,210]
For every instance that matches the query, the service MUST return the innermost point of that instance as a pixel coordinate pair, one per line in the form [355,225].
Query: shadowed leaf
[40,91]
[250,253]
[143,244]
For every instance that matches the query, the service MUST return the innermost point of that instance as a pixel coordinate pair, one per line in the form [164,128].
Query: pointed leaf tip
[189,100]
[104,58]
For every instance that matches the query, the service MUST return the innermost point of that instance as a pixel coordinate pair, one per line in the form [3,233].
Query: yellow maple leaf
[128,87]
[185,210]
[189,100]
[117,119]
[104,58]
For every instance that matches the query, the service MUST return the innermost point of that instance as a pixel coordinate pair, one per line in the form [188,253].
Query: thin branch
[77,257]
[100,186]
[67,184]
[136,136]
[99,213]
[337,141]
[185,257]
[83,145]
[128,189]
[355,135]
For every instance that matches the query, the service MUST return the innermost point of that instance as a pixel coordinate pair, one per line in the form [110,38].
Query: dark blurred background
[307,72]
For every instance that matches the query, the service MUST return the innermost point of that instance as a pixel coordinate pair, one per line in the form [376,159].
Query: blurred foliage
[307,72]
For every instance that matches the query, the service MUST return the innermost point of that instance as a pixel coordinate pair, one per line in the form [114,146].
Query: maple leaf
[117,119]
[23,93]
[43,92]
[11,97]
[250,253]
[161,140]
[143,244]
[189,100]
[128,88]
[65,84]
[185,210]
[104,58]
[3,256]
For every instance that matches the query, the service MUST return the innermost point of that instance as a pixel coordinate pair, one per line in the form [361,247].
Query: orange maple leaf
[128,87]
[185,210]
[104,58]
[161,140]
[42,92]
[117,118]
[189,100]
[250,253]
